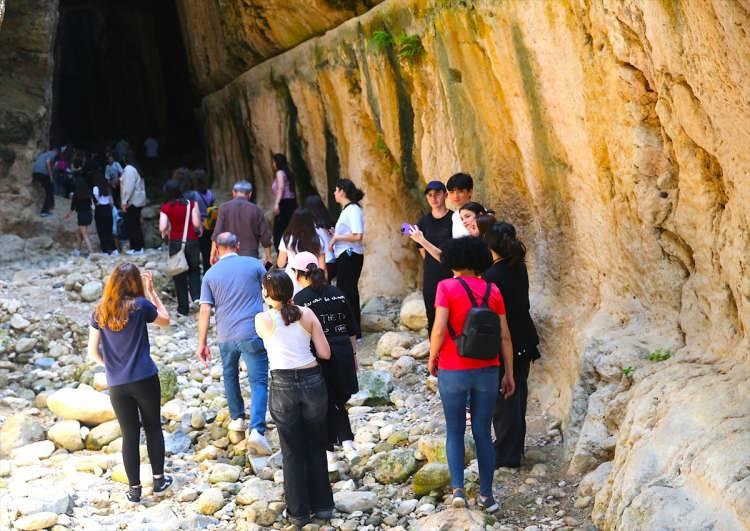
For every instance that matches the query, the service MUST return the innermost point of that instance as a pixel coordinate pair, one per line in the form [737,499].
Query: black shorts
[85,217]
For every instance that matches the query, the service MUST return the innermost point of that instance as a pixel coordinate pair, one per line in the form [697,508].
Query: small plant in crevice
[628,371]
[381,40]
[409,47]
[659,354]
[381,146]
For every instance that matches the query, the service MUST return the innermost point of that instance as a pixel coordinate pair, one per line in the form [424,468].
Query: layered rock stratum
[612,133]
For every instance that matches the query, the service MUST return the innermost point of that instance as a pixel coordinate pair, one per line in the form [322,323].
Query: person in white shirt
[460,188]
[300,236]
[133,197]
[298,399]
[348,244]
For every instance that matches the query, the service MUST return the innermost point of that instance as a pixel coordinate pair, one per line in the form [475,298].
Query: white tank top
[289,346]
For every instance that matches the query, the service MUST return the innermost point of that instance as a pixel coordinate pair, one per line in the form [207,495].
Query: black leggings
[129,400]
[348,269]
[103,218]
[281,220]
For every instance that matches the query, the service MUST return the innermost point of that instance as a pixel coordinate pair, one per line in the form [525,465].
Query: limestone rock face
[226,38]
[612,134]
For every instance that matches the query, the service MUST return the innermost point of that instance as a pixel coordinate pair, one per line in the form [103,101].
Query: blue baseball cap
[434,185]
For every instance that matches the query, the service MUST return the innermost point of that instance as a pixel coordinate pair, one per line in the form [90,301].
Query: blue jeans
[480,386]
[253,353]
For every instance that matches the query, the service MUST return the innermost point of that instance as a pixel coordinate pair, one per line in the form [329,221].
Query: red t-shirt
[175,211]
[452,295]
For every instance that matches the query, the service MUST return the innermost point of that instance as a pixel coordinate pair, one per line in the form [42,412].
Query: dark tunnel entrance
[121,72]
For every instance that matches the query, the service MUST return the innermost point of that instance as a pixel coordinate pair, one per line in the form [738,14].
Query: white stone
[91,291]
[348,502]
[413,314]
[18,322]
[37,450]
[36,521]
[83,404]
[25,344]
[209,502]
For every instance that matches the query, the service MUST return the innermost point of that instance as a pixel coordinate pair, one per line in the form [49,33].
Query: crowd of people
[294,322]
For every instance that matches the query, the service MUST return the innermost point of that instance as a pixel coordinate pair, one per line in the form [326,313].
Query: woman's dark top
[437,231]
[513,281]
[82,197]
[127,353]
[331,307]
[336,317]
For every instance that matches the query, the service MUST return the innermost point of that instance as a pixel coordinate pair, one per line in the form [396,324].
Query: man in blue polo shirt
[233,288]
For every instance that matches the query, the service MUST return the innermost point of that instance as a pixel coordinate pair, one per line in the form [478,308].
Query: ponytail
[352,193]
[290,313]
[315,275]
[502,239]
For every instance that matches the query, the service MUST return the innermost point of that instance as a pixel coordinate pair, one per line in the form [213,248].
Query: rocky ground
[60,465]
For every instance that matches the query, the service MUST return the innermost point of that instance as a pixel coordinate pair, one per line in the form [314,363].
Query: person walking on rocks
[133,197]
[348,244]
[508,273]
[41,173]
[233,288]
[436,227]
[299,399]
[463,374]
[340,372]
[103,214]
[81,203]
[285,198]
[119,321]
[245,220]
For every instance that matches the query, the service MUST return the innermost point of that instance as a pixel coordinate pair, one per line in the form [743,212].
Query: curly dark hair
[467,252]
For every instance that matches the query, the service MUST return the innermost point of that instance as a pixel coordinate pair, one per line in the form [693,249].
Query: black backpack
[480,337]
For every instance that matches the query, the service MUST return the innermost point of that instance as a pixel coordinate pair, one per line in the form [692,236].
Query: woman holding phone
[128,304]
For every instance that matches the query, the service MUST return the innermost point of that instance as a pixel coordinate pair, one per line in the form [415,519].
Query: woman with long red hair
[119,322]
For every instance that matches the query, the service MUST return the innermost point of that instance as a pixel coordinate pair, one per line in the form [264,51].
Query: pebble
[582,502]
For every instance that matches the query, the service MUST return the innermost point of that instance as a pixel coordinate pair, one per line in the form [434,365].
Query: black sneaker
[162,484]
[487,503]
[299,521]
[323,514]
[134,494]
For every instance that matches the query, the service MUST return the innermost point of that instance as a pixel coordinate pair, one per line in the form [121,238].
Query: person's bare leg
[86,239]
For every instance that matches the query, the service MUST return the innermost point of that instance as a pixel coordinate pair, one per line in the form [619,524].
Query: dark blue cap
[434,185]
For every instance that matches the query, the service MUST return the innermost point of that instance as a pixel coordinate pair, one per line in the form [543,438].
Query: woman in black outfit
[508,272]
[340,372]
[436,226]
[103,213]
[80,203]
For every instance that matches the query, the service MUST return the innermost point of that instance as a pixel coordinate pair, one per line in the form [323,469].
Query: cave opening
[121,72]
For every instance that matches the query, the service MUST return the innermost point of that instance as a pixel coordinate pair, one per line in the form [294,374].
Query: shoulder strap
[184,229]
[468,291]
[486,299]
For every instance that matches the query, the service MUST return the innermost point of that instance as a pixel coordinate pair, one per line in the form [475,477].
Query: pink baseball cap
[302,260]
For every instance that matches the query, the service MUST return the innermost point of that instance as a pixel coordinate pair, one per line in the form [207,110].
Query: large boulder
[222,472]
[83,404]
[349,502]
[66,434]
[395,466]
[413,313]
[103,434]
[256,489]
[455,519]
[91,291]
[374,389]
[433,448]
[19,430]
[168,382]
[432,476]
[36,521]
[209,502]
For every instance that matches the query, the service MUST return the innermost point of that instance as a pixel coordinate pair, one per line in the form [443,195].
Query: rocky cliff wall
[26,39]
[613,134]
[227,37]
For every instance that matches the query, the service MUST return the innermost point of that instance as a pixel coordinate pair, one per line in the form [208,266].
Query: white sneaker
[237,424]
[114,253]
[133,251]
[76,252]
[258,442]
